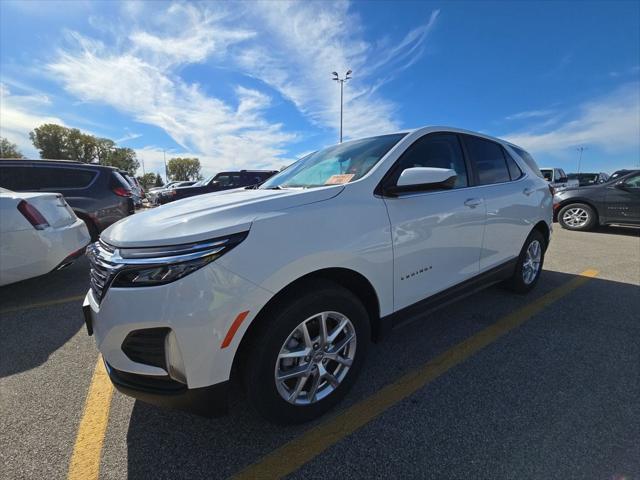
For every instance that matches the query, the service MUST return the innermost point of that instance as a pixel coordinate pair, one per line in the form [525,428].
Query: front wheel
[308,353]
[577,216]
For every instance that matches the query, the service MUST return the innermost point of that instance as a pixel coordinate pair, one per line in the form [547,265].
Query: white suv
[285,285]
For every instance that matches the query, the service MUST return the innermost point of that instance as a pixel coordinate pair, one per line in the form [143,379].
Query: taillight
[33,215]
[122,192]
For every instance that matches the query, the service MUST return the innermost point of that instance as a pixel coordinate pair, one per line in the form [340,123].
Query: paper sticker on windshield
[339,179]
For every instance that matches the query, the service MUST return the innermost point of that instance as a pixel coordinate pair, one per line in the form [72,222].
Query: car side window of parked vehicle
[528,159]
[488,159]
[633,182]
[51,178]
[45,178]
[227,180]
[514,169]
[14,177]
[436,151]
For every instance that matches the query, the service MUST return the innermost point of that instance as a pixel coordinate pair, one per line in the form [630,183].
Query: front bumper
[198,311]
[164,392]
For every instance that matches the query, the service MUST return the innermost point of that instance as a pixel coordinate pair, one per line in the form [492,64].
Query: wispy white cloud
[146,86]
[530,114]
[611,123]
[20,114]
[298,60]
[140,73]
[128,136]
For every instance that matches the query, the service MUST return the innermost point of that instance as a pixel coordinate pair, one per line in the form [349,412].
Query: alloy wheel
[315,358]
[575,217]
[531,264]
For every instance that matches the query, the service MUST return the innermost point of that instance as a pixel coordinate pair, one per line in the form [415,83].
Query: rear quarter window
[528,159]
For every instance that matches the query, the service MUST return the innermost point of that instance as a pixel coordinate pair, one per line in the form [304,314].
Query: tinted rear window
[488,159]
[44,178]
[528,159]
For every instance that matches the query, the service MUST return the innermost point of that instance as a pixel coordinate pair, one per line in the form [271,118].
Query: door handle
[473,202]
[528,191]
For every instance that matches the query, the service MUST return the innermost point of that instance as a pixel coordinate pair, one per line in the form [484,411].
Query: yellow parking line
[294,454]
[85,460]
[42,304]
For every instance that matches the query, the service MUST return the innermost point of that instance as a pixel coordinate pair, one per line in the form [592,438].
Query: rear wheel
[308,354]
[577,216]
[529,264]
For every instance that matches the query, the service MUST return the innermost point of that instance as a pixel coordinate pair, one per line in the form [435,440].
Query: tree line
[58,142]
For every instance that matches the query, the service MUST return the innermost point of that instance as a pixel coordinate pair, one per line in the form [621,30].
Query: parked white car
[38,233]
[286,284]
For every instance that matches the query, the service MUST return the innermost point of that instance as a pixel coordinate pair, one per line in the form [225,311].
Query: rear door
[511,200]
[437,235]
[622,201]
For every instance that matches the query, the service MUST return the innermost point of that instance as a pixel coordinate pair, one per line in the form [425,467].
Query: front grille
[146,346]
[103,270]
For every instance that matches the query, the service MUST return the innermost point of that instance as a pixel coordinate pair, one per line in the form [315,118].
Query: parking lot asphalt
[497,385]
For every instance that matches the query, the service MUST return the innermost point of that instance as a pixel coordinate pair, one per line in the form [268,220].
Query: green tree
[80,146]
[51,140]
[182,169]
[104,149]
[159,182]
[124,159]
[147,180]
[8,149]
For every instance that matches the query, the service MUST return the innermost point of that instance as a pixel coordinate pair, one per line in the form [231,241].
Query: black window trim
[475,171]
[384,182]
[96,174]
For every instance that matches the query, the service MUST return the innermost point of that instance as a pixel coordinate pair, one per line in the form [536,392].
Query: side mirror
[563,180]
[423,178]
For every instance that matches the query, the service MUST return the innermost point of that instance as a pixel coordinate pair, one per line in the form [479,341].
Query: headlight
[144,267]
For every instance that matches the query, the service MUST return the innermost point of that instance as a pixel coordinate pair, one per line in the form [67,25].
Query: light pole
[337,78]
[166,173]
[580,149]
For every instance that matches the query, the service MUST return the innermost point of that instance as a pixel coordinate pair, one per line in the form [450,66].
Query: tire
[521,281]
[281,332]
[577,216]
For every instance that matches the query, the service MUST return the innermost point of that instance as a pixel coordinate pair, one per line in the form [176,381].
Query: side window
[488,160]
[528,159]
[514,169]
[633,182]
[14,178]
[435,150]
[48,178]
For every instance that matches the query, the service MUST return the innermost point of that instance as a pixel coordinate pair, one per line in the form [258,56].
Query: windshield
[342,163]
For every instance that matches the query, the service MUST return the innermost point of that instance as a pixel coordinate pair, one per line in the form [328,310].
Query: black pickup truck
[218,182]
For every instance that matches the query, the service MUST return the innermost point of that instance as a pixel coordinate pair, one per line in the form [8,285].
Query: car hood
[208,216]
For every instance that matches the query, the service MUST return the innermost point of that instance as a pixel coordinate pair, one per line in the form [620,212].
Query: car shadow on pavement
[616,230]
[28,336]
[169,444]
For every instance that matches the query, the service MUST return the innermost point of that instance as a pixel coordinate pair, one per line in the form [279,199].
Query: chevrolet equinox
[283,286]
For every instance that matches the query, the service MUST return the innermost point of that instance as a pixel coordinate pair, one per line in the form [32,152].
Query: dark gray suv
[97,194]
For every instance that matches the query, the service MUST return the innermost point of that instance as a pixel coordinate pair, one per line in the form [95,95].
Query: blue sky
[249,84]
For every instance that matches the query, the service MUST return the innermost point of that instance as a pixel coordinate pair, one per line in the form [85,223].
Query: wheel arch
[350,279]
[544,229]
[569,201]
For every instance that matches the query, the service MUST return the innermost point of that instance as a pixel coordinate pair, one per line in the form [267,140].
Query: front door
[622,201]
[437,235]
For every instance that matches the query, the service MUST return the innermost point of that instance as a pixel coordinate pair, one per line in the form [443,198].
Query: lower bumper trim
[211,401]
